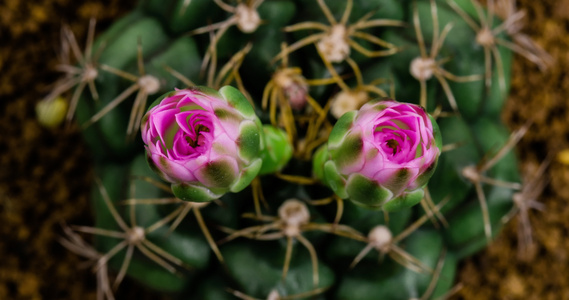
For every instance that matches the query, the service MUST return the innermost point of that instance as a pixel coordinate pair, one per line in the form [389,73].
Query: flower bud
[293,85]
[204,142]
[51,113]
[296,94]
[381,156]
[277,152]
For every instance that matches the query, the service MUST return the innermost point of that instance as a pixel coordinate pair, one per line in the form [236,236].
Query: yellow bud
[51,113]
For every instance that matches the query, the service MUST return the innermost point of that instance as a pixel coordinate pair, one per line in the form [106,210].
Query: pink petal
[173,170]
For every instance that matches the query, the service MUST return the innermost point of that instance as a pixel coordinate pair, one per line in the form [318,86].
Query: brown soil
[497,272]
[45,175]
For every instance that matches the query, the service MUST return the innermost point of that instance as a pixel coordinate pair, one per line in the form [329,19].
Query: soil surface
[45,175]
[498,272]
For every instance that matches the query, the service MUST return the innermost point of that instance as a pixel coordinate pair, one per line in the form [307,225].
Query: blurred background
[45,175]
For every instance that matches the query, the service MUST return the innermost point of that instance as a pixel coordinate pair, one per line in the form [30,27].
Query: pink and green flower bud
[277,152]
[381,156]
[204,142]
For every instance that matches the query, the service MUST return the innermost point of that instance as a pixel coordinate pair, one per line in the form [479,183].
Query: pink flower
[382,155]
[204,142]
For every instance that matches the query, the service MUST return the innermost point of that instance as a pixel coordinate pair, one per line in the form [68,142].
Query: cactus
[271,205]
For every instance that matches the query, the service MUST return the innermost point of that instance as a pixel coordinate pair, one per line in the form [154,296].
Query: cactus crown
[333,159]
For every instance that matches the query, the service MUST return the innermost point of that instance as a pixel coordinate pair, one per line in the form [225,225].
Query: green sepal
[334,180]
[195,193]
[423,179]
[216,174]
[249,141]
[152,166]
[436,133]
[349,151]
[398,181]
[237,100]
[227,115]
[365,192]
[277,152]
[318,160]
[208,91]
[247,175]
[340,129]
[407,200]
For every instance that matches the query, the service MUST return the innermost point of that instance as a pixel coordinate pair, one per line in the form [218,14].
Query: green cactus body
[291,198]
